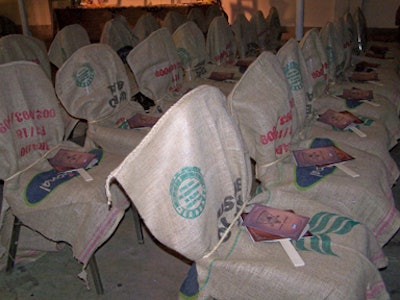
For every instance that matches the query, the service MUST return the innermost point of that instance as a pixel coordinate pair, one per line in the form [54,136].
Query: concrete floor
[134,271]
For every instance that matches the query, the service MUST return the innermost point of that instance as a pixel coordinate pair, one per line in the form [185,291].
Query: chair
[17,47]
[377,141]
[106,104]
[64,207]
[117,34]
[197,16]
[145,25]
[245,36]
[261,103]
[158,70]
[192,201]
[69,39]
[173,20]
[260,27]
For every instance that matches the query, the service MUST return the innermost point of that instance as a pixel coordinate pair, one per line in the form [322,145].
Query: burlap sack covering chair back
[188,199]
[117,34]
[93,85]
[61,206]
[361,31]
[191,46]
[27,133]
[173,20]
[156,66]
[212,12]
[316,61]
[296,73]
[220,42]
[263,106]
[260,27]
[15,47]
[145,25]
[332,44]
[347,35]
[196,15]
[244,35]
[274,29]
[69,39]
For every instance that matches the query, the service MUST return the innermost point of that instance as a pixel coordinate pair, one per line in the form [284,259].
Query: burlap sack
[345,23]
[263,107]
[242,269]
[361,31]
[212,12]
[117,34]
[296,73]
[376,142]
[202,186]
[191,46]
[61,206]
[22,47]
[157,68]
[203,180]
[386,113]
[69,39]
[260,27]
[316,61]
[333,45]
[145,25]
[93,85]
[274,29]
[245,37]
[220,42]
[260,103]
[173,20]
[196,15]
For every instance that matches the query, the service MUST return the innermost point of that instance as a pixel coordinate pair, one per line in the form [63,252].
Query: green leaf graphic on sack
[322,226]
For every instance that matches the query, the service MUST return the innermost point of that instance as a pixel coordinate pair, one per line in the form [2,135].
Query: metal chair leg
[94,270]
[12,251]
[138,225]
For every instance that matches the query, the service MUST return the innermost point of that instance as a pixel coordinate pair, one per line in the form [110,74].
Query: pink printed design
[26,115]
[321,72]
[375,288]
[165,71]
[225,54]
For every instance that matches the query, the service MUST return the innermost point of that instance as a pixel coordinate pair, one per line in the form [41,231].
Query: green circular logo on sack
[293,75]
[84,75]
[188,192]
[184,56]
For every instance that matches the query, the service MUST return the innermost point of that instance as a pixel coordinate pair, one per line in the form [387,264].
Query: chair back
[361,31]
[296,73]
[197,15]
[245,36]
[191,195]
[21,47]
[274,25]
[173,20]
[156,66]
[262,104]
[117,34]
[220,42]
[332,42]
[31,122]
[316,61]
[69,39]
[191,46]
[260,27]
[144,26]
[212,12]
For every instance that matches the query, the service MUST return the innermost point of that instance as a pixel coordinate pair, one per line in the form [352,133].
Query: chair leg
[12,251]
[138,225]
[94,270]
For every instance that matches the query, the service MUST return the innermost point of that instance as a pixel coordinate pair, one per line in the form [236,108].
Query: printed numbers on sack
[119,95]
[30,131]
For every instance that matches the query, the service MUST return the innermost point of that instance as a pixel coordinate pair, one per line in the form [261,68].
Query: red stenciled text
[165,71]
[33,147]
[26,115]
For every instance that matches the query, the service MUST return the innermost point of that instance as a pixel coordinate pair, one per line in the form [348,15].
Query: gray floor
[133,271]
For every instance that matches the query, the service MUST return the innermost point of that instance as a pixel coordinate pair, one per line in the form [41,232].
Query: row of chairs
[209,136]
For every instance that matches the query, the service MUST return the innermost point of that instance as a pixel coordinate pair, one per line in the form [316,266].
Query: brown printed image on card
[221,76]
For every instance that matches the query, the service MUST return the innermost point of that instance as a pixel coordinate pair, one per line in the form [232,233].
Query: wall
[317,12]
